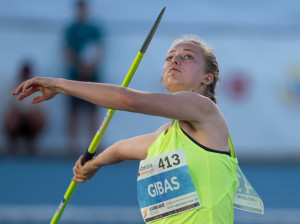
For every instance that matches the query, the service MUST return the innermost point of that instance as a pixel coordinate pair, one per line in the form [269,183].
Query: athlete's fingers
[77,169]
[80,160]
[38,99]
[29,83]
[28,93]
[78,175]
[23,87]
[24,95]
[78,180]
[18,89]
[77,164]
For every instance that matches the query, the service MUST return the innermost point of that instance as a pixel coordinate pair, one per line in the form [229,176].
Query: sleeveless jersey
[213,174]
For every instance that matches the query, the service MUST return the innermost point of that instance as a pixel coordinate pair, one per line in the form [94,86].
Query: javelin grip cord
[87,156]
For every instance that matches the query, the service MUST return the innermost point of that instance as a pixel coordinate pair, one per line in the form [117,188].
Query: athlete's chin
[173,87]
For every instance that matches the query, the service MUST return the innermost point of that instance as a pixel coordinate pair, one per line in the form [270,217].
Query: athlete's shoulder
[198,101]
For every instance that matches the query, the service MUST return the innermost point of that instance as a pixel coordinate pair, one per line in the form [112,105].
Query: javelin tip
[152,31]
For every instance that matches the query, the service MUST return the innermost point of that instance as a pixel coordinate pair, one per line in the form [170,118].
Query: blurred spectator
[23,120]
[84,50]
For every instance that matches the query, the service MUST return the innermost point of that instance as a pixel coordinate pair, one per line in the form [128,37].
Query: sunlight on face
[184,67]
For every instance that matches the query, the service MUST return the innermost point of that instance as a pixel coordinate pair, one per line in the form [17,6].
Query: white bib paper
[165,186]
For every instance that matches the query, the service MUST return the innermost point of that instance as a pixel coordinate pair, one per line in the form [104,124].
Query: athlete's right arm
[130,149]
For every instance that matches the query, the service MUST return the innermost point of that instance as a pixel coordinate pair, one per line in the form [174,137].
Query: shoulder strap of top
[231,148]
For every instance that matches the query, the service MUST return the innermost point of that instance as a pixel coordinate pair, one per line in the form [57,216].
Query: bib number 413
[169,162]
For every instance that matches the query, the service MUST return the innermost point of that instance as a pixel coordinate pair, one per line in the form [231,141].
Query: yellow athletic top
[213,174]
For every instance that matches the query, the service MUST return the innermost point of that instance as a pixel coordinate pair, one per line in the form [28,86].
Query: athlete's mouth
[174,69]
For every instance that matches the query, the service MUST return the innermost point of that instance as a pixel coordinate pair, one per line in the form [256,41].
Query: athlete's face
[184,68]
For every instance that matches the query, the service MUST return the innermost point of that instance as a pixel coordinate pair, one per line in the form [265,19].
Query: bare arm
[186,106]
[131,149]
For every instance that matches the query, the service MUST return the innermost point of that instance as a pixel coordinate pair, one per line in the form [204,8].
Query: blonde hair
[211,64]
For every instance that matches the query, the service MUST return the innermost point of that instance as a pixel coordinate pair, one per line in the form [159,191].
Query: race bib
[165,186]
[246,197]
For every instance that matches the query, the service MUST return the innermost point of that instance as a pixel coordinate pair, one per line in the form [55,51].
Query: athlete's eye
[169,58]
[189,57]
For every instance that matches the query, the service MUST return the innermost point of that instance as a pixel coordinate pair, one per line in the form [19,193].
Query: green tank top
[213,174]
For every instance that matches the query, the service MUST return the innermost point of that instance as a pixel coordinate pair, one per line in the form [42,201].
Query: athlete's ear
[208,79]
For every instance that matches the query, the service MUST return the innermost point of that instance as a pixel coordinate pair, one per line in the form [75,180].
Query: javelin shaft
[93,146]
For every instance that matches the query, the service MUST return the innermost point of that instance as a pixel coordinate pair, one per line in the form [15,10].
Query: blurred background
[257,44]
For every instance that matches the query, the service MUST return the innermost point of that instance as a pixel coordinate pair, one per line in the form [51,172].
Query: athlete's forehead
[185,46]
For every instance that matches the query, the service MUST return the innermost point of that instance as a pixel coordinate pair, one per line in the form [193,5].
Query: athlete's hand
[47,87]
[84,172]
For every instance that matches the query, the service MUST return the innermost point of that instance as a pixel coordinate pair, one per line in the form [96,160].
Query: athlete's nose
[176,60]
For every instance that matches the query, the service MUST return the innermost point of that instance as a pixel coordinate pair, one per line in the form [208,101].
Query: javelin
[93,146]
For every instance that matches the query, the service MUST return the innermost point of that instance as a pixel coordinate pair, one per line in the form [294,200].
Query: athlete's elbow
[117,151]
[126,100]
[131,101]
[120,150]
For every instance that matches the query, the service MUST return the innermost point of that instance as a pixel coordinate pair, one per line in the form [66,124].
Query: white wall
[257,39]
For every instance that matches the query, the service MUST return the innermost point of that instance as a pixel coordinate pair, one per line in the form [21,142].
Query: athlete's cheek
[165,70]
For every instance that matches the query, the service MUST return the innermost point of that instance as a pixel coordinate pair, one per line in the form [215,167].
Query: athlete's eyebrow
[186,49]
